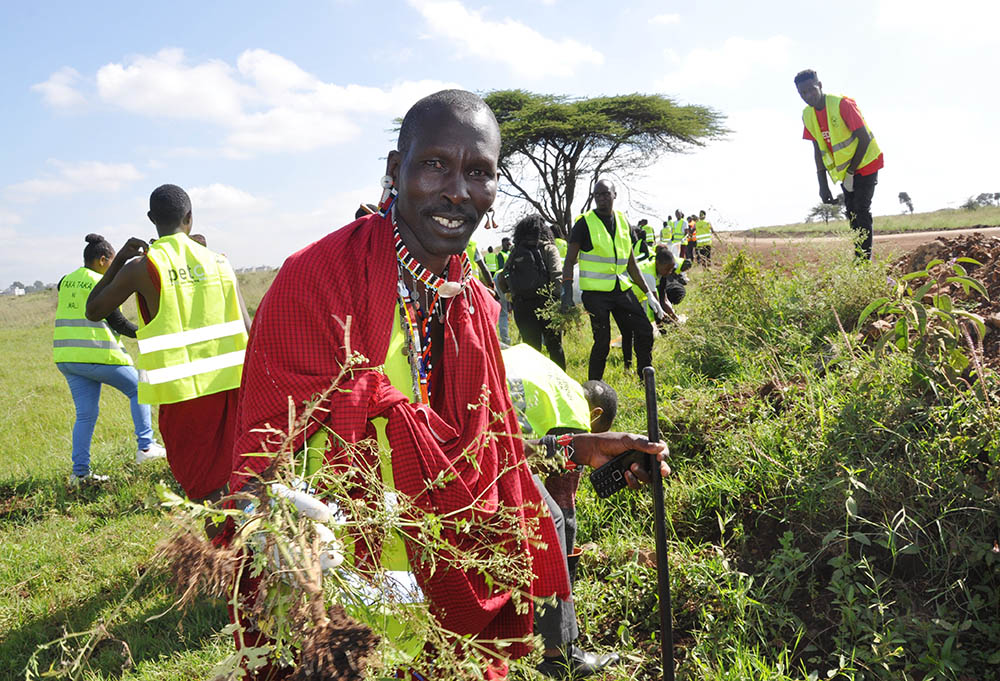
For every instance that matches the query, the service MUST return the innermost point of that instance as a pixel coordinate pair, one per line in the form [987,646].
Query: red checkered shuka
[296,348]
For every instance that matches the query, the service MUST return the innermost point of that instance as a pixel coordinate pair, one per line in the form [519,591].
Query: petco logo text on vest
[189,273]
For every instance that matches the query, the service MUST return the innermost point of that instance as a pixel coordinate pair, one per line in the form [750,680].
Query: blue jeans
[85,384]
[504,322]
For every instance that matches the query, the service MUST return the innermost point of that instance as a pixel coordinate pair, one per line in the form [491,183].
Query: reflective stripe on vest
[703,232]
[607,261]
[194,346]
[650,233]
[842,142]
[544,397]
[77,339]
[640,255]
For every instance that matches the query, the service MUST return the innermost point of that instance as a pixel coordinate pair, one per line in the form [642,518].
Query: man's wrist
[563,447]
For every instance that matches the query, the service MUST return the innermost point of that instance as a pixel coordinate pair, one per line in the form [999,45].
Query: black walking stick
[610,478]
[660,528]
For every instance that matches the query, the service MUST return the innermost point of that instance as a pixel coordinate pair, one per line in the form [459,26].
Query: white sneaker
[88,479]
[154,451]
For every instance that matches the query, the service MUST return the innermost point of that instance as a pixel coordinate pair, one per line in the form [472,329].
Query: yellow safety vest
[677,236]
[194,345]
[665,233]
[76,338]
[842,141]
[544,397]
[646,267]
[492,263]
[607,262]
[650,234]
[561,246]
[472,251]
[639,255]
[703,232]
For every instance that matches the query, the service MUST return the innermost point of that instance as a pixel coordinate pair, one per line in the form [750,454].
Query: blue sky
[276,116]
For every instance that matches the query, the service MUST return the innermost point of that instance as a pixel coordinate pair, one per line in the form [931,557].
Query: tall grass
[829,516]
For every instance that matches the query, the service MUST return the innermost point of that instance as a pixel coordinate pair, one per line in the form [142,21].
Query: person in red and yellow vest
[192,338]
[845,148]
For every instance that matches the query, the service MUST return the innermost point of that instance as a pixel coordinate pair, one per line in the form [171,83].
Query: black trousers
[629,315]
[859,213]
[535,330]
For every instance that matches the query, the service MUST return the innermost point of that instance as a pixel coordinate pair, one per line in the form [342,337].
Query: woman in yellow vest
[90,354]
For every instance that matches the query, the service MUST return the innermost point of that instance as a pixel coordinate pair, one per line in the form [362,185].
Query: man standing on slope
[192,336]
[398,288]
[601,238]
[844,147]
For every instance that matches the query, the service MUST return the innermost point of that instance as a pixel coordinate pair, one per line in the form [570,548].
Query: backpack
[525,272]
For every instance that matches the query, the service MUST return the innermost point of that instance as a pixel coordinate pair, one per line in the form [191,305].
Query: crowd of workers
[625,272]
[402,273]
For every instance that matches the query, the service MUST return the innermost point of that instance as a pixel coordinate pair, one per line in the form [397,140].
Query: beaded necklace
[415,316]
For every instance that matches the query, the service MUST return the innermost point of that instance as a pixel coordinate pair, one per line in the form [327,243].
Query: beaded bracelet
[552,442]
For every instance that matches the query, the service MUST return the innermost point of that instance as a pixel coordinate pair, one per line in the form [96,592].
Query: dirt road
[790,249]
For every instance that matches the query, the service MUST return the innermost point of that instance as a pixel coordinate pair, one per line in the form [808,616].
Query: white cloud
[265,103]
[958,19]
[9,218]
[215,200]
[165,85]
[70,178]
[59,90]
[737,60]
[666,19]
[527,52]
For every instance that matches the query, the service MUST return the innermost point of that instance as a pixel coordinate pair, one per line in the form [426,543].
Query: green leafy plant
[928,322]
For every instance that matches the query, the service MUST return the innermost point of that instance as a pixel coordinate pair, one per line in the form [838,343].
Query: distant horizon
[496,236]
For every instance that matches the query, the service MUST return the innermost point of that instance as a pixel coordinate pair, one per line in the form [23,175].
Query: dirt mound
[984,250]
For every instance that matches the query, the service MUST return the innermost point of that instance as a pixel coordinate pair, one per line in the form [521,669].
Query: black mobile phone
[610,477]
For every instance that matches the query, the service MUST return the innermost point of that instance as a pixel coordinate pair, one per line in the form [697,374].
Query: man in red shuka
[373,272]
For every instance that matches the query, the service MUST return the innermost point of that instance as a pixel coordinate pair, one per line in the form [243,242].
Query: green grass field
[832,513]
[946,218]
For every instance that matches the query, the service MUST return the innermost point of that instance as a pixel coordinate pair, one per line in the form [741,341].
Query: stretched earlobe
[388,196]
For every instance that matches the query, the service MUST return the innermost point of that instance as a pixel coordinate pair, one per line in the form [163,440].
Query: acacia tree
[826,212]
[904,198]
[558,141]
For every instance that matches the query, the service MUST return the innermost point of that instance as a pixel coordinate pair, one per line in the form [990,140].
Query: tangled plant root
[336,650]
[198,567]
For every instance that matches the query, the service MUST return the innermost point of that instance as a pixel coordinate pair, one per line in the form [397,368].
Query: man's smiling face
[447,180]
